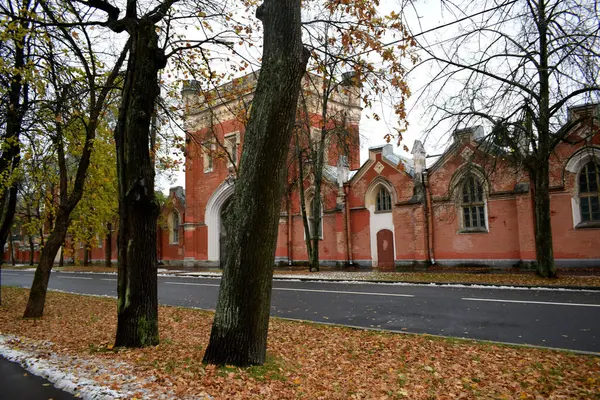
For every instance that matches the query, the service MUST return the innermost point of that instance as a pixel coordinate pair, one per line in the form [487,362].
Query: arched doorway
[223,235]
[385,249]
[212,218]
[380,199]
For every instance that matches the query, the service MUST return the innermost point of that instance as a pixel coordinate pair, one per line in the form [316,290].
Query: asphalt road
[551,318]
[17,383]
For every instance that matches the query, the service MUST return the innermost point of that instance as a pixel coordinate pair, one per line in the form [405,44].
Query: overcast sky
[422,16]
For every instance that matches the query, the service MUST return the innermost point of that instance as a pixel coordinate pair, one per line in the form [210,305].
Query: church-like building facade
[469,205]
[463,207]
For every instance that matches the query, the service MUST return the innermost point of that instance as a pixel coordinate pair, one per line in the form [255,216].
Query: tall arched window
[384,200]
[589,194]
[473,205]
[174,234]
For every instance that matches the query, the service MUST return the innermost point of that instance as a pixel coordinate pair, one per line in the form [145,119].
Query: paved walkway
[17,383]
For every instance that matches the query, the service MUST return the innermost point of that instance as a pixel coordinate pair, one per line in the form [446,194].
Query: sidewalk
[17,383]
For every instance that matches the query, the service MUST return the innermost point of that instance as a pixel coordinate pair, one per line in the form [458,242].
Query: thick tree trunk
[545,266]
[543,226]
[239,332]
[11,251]
[137,305]
[108,247]
[39,287]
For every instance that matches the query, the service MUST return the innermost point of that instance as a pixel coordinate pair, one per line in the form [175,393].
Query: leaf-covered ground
[507,278]
[305,360]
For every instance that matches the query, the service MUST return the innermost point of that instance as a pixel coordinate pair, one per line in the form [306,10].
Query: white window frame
[208,161]
[581,223]
[171,226]
[389,196]
[232,152]
[575,165]
[461,205]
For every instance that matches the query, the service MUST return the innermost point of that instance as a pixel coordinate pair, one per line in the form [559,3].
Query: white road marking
[190,284]
[8,273]
[345,292]
[107,279]
[305,290]
[532,302]
[74,277]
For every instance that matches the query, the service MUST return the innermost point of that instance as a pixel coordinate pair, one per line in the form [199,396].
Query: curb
[491,285]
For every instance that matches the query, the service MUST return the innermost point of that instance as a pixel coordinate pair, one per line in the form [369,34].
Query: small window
[589,195]
[231,146]
[207,156]
[175,227]
[473,205]
[384,200]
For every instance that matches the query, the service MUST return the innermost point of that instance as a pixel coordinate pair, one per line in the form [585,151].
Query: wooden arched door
[385,249]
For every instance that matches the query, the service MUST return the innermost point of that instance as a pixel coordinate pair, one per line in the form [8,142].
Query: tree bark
[239,331]
[31,250]
[543,226]
[39,287]
[545,266]
[137,305]
[86,255]
[108,247]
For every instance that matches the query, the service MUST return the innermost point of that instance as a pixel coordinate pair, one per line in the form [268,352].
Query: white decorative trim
[212,218]
[379,220]
[580,158]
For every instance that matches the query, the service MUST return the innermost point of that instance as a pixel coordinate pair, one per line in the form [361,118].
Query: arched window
[589,194]
[384,200]
[174,225]
[473,205]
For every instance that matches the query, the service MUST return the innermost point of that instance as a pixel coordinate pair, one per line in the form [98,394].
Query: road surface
[565,319]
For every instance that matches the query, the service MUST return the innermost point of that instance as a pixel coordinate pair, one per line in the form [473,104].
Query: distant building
[468,207]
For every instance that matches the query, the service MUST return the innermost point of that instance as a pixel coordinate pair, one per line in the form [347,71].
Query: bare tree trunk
[31,250]
[137,305]
[543,229]
[239,332]
[39,287]
[86,255]
[61,260]
[108,247]
[11,250]
[545,265]
[305,220]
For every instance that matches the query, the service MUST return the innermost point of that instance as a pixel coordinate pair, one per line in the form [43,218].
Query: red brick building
[467,207]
